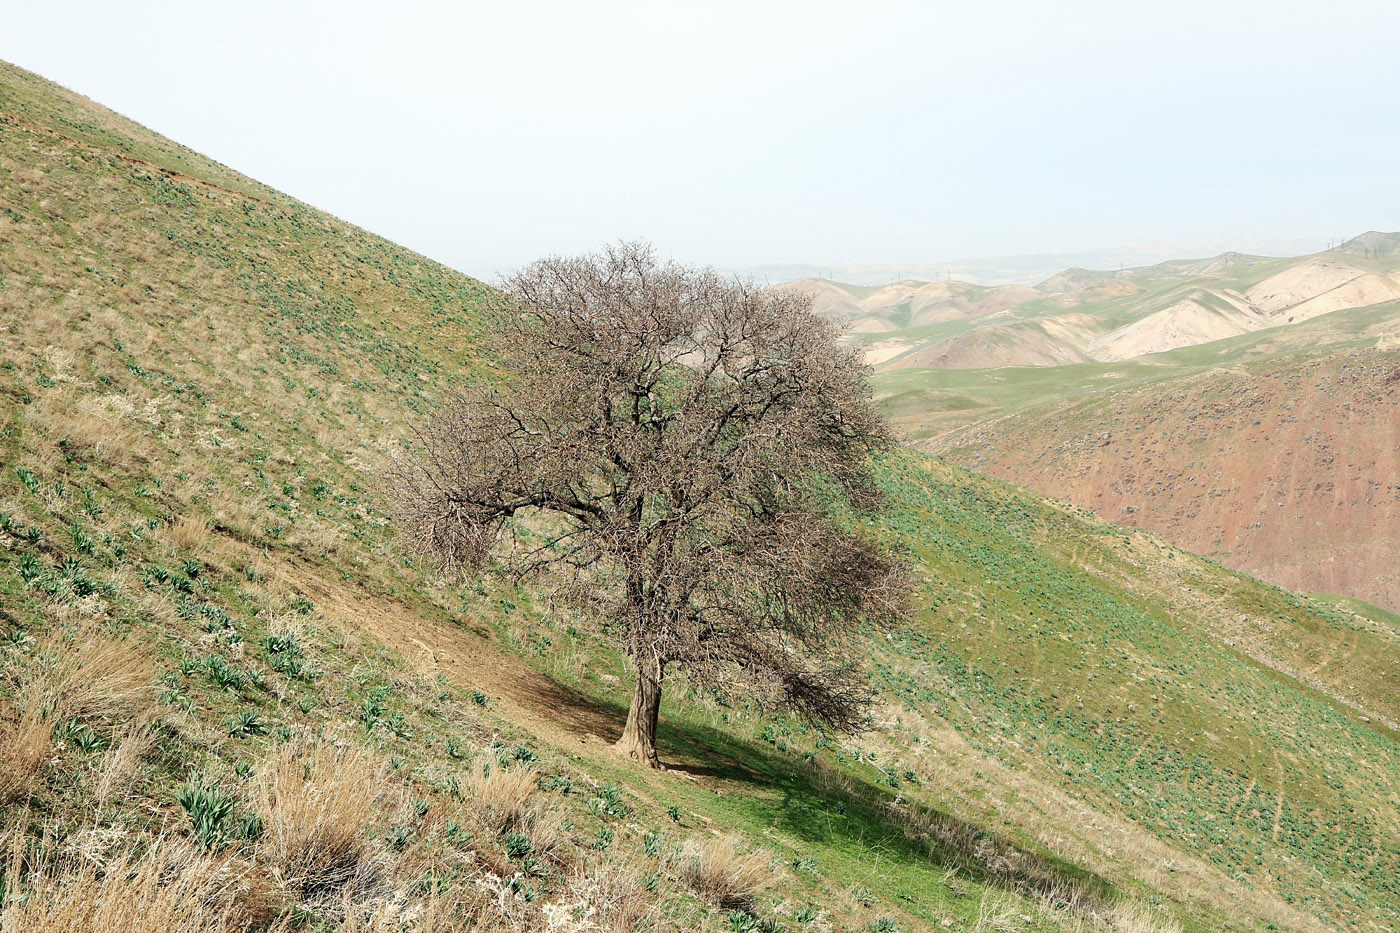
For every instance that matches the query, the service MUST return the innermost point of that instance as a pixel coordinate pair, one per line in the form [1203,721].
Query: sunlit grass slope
[207,630]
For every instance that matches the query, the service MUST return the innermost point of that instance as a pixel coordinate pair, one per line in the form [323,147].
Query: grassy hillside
[208,640]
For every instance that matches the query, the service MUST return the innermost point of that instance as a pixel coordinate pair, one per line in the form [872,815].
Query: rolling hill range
[1201,399]
[1084,316]
[207,631]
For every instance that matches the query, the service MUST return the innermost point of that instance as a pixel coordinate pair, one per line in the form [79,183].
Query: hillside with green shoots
[228,703]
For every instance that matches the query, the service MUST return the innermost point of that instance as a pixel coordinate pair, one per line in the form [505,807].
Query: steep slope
[1302,283]
[1285,468]
[1079,727]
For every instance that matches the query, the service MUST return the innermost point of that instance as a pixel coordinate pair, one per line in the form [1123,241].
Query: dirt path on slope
[469,658]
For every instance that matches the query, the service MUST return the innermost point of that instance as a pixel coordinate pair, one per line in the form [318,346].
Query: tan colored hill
[1288,469]
[1049,341]
[1084,315]
[881,309]
[1304,282]
[1201,317]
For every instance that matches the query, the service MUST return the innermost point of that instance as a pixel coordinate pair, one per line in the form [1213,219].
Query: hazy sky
[485,134]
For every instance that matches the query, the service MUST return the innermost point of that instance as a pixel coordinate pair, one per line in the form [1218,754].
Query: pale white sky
[486,134]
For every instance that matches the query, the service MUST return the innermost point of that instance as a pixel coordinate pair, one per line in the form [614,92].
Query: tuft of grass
[721,871]
[120,762]
[90,676]
[169,890]
[317,803]
[24,747]
[500,798]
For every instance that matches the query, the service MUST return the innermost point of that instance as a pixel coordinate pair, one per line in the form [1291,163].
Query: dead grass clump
[187,535]
[1136,917]
[500,797]
[24,747]
[120,761]
[604,896]
[170,890]
[317,802]
[90,676]
[720,871]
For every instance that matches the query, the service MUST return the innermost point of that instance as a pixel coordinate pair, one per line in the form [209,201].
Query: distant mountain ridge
[1085,315]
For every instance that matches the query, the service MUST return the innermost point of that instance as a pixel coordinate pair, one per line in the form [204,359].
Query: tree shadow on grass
[825,807]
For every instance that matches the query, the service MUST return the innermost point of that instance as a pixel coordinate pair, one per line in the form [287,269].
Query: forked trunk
[639,735]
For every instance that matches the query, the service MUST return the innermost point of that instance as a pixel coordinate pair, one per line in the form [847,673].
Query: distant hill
[1135,349]
[1373,242]
[1082,315]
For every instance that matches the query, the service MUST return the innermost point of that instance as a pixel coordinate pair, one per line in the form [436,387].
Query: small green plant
[223,674]
[208,809]
[398,836]
[558,782]
[608,799]
[249,827]
[82,540]
[674,812]
[245,723]
[82,737]
[371,710]
[517,845]
[27,477]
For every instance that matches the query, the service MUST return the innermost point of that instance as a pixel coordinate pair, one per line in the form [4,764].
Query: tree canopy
[689,458]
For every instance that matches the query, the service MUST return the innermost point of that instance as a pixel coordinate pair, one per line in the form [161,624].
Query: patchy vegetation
[227,703]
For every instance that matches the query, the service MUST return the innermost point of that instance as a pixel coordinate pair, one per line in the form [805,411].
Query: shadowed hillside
[228,703]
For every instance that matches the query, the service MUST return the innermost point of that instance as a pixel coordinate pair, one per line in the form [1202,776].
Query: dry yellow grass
[90,675]
[610,895]
[187,535]
[722,872]
[119,762]
[318,802]
[170,890]
[499,797]
[24,747]
[1137,917]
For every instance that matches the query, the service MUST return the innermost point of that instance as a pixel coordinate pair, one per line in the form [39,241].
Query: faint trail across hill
[521,694]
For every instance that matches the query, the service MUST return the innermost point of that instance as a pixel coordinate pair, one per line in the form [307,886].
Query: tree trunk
[639,735]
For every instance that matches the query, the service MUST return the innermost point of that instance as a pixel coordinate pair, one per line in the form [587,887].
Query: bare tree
[694,455]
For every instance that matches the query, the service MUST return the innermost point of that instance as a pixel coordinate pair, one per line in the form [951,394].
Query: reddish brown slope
[1289,470]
